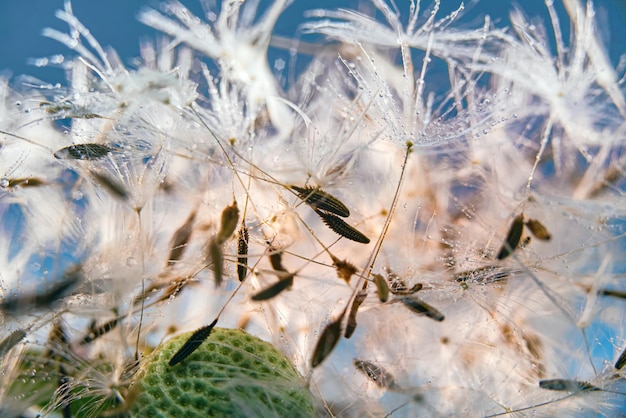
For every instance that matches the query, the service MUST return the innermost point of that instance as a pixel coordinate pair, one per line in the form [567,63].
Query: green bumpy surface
[232,374]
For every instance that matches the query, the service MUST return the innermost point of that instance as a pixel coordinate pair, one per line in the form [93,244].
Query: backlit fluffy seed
[232,374]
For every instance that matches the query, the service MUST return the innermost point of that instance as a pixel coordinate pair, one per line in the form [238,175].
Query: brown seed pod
[351,325]
[538,230]
[381,287]
[22,182]
[217,259]
[327,342]
[180,239]
[422,308]
[512,238]
[228,223]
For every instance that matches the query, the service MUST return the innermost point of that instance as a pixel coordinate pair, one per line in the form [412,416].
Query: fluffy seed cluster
[424,215]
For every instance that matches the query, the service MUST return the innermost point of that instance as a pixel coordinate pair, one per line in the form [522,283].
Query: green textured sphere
[232,374]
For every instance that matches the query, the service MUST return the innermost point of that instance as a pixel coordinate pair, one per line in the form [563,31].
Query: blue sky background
[114,23]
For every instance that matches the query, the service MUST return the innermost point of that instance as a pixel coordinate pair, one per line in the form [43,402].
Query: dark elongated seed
[276,260]
[100,331]
[180,239]
[320,200]
[83,152]
[342,228]
[228,223]
[351,324]
[196,339]
[217,258]
[23,182]
[487,274]
[381,287]
[420,307]
[621,361]
[242,253]
[538,229]
[566,385]
[376,374]
[274,290]
[397,286]
[613,293]
[512,238]
[11,341]
[26,302]
[112,186]
[327,342]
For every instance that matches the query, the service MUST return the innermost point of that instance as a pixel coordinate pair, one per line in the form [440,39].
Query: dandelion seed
[327,342]
[614,293]
[53,108]
[381,377]
[83,152]
[397,286]
[538,229]
[19,304]
[341,228]
[566,385]
[420,307]
[11,341]
[513,238]
[180,239]
[242,253]
[67,111]
[22,182]
[196,339]
[274,290]
[276,260]
[487,274]
[217,260]
[228,223]
[351,324]
[111,185]
[100,331]
[320,200]
[381,287]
